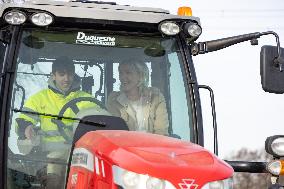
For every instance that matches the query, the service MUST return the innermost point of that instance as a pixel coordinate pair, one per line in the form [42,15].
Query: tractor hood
[159,156]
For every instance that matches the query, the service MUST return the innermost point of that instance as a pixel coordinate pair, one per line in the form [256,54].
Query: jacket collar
[122,99]
[146,97]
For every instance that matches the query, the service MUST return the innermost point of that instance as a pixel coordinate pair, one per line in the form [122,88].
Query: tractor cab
[104,43]
[99,95]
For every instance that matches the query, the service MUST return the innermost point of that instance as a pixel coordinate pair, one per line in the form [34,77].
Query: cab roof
[98,11]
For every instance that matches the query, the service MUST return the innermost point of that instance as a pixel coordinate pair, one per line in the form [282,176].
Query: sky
[246,115]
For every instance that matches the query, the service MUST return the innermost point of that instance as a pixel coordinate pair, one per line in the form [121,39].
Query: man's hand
[29,132]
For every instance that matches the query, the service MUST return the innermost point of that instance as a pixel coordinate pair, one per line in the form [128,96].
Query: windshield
[62,76]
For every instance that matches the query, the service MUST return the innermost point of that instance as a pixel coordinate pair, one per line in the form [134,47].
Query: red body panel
[155,155]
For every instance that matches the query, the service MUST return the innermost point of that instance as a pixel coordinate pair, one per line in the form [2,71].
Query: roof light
[192,29]
[276,167]
[15,17]
[169,28]
[184,11]
[42,19]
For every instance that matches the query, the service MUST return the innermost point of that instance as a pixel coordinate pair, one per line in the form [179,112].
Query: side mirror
[272,75]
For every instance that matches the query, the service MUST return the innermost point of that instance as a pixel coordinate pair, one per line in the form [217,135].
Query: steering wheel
[72,104]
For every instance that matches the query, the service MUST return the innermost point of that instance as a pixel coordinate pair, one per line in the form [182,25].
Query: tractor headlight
[192,29]
[42,19]
[169,28]
[155,183]
[131,180]
[15,17]
[274,145]
[219,184]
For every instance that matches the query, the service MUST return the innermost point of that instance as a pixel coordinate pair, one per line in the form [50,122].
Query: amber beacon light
[184,11]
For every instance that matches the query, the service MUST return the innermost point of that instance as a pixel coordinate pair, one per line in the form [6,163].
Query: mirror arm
[209,46]
[215,45]
[277,40]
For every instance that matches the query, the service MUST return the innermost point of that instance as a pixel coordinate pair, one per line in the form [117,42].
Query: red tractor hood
[159,156]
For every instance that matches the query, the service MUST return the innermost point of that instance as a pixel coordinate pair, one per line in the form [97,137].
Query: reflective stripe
[33,116]
[50,133]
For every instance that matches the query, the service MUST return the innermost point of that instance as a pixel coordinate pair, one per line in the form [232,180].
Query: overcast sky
[246,115]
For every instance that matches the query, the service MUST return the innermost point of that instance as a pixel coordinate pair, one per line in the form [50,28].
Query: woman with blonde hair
[143,108]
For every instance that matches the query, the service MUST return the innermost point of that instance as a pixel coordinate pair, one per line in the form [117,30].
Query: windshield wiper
[61,117]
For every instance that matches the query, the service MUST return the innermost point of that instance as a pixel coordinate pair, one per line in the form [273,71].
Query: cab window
[137,78]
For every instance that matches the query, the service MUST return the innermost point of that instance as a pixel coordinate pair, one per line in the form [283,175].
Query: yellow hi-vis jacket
[51,101]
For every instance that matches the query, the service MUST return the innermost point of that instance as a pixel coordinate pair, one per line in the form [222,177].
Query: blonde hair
[142,69]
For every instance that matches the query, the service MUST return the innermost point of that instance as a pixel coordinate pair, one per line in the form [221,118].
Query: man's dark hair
[62,64]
